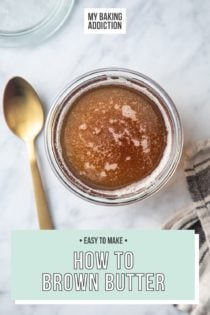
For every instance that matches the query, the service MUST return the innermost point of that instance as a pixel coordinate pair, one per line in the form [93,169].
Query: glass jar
[136,191]
[28,22]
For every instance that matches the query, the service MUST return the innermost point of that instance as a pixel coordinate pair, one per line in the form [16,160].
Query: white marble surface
[167,40]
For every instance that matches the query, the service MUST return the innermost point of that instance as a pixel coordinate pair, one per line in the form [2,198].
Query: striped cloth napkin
[197,217]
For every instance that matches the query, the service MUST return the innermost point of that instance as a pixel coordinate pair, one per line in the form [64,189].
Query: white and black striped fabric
[197,217]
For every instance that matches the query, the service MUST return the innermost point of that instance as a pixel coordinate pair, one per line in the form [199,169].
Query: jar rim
[177,144]
[39,31]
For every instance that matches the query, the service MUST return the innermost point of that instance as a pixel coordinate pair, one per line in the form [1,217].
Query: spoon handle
[45,221]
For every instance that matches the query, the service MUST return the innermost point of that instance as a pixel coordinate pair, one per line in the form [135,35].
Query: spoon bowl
[22,109]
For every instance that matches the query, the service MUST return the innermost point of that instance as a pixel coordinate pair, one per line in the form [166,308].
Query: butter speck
[136,142]
[89,166]
[83,126]
[97,130]
[103,174]
[110,167]
[145,144]
[128,112]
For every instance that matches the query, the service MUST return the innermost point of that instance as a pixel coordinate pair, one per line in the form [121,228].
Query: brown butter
[113,136]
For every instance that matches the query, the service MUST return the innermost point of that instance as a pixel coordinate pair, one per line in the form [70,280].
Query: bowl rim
[41,30]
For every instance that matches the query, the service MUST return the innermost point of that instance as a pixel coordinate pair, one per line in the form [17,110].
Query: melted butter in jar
[112,136]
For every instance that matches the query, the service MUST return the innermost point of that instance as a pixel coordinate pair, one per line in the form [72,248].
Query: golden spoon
[24,116]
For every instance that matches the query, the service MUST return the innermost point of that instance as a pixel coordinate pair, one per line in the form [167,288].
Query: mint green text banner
[104,265]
